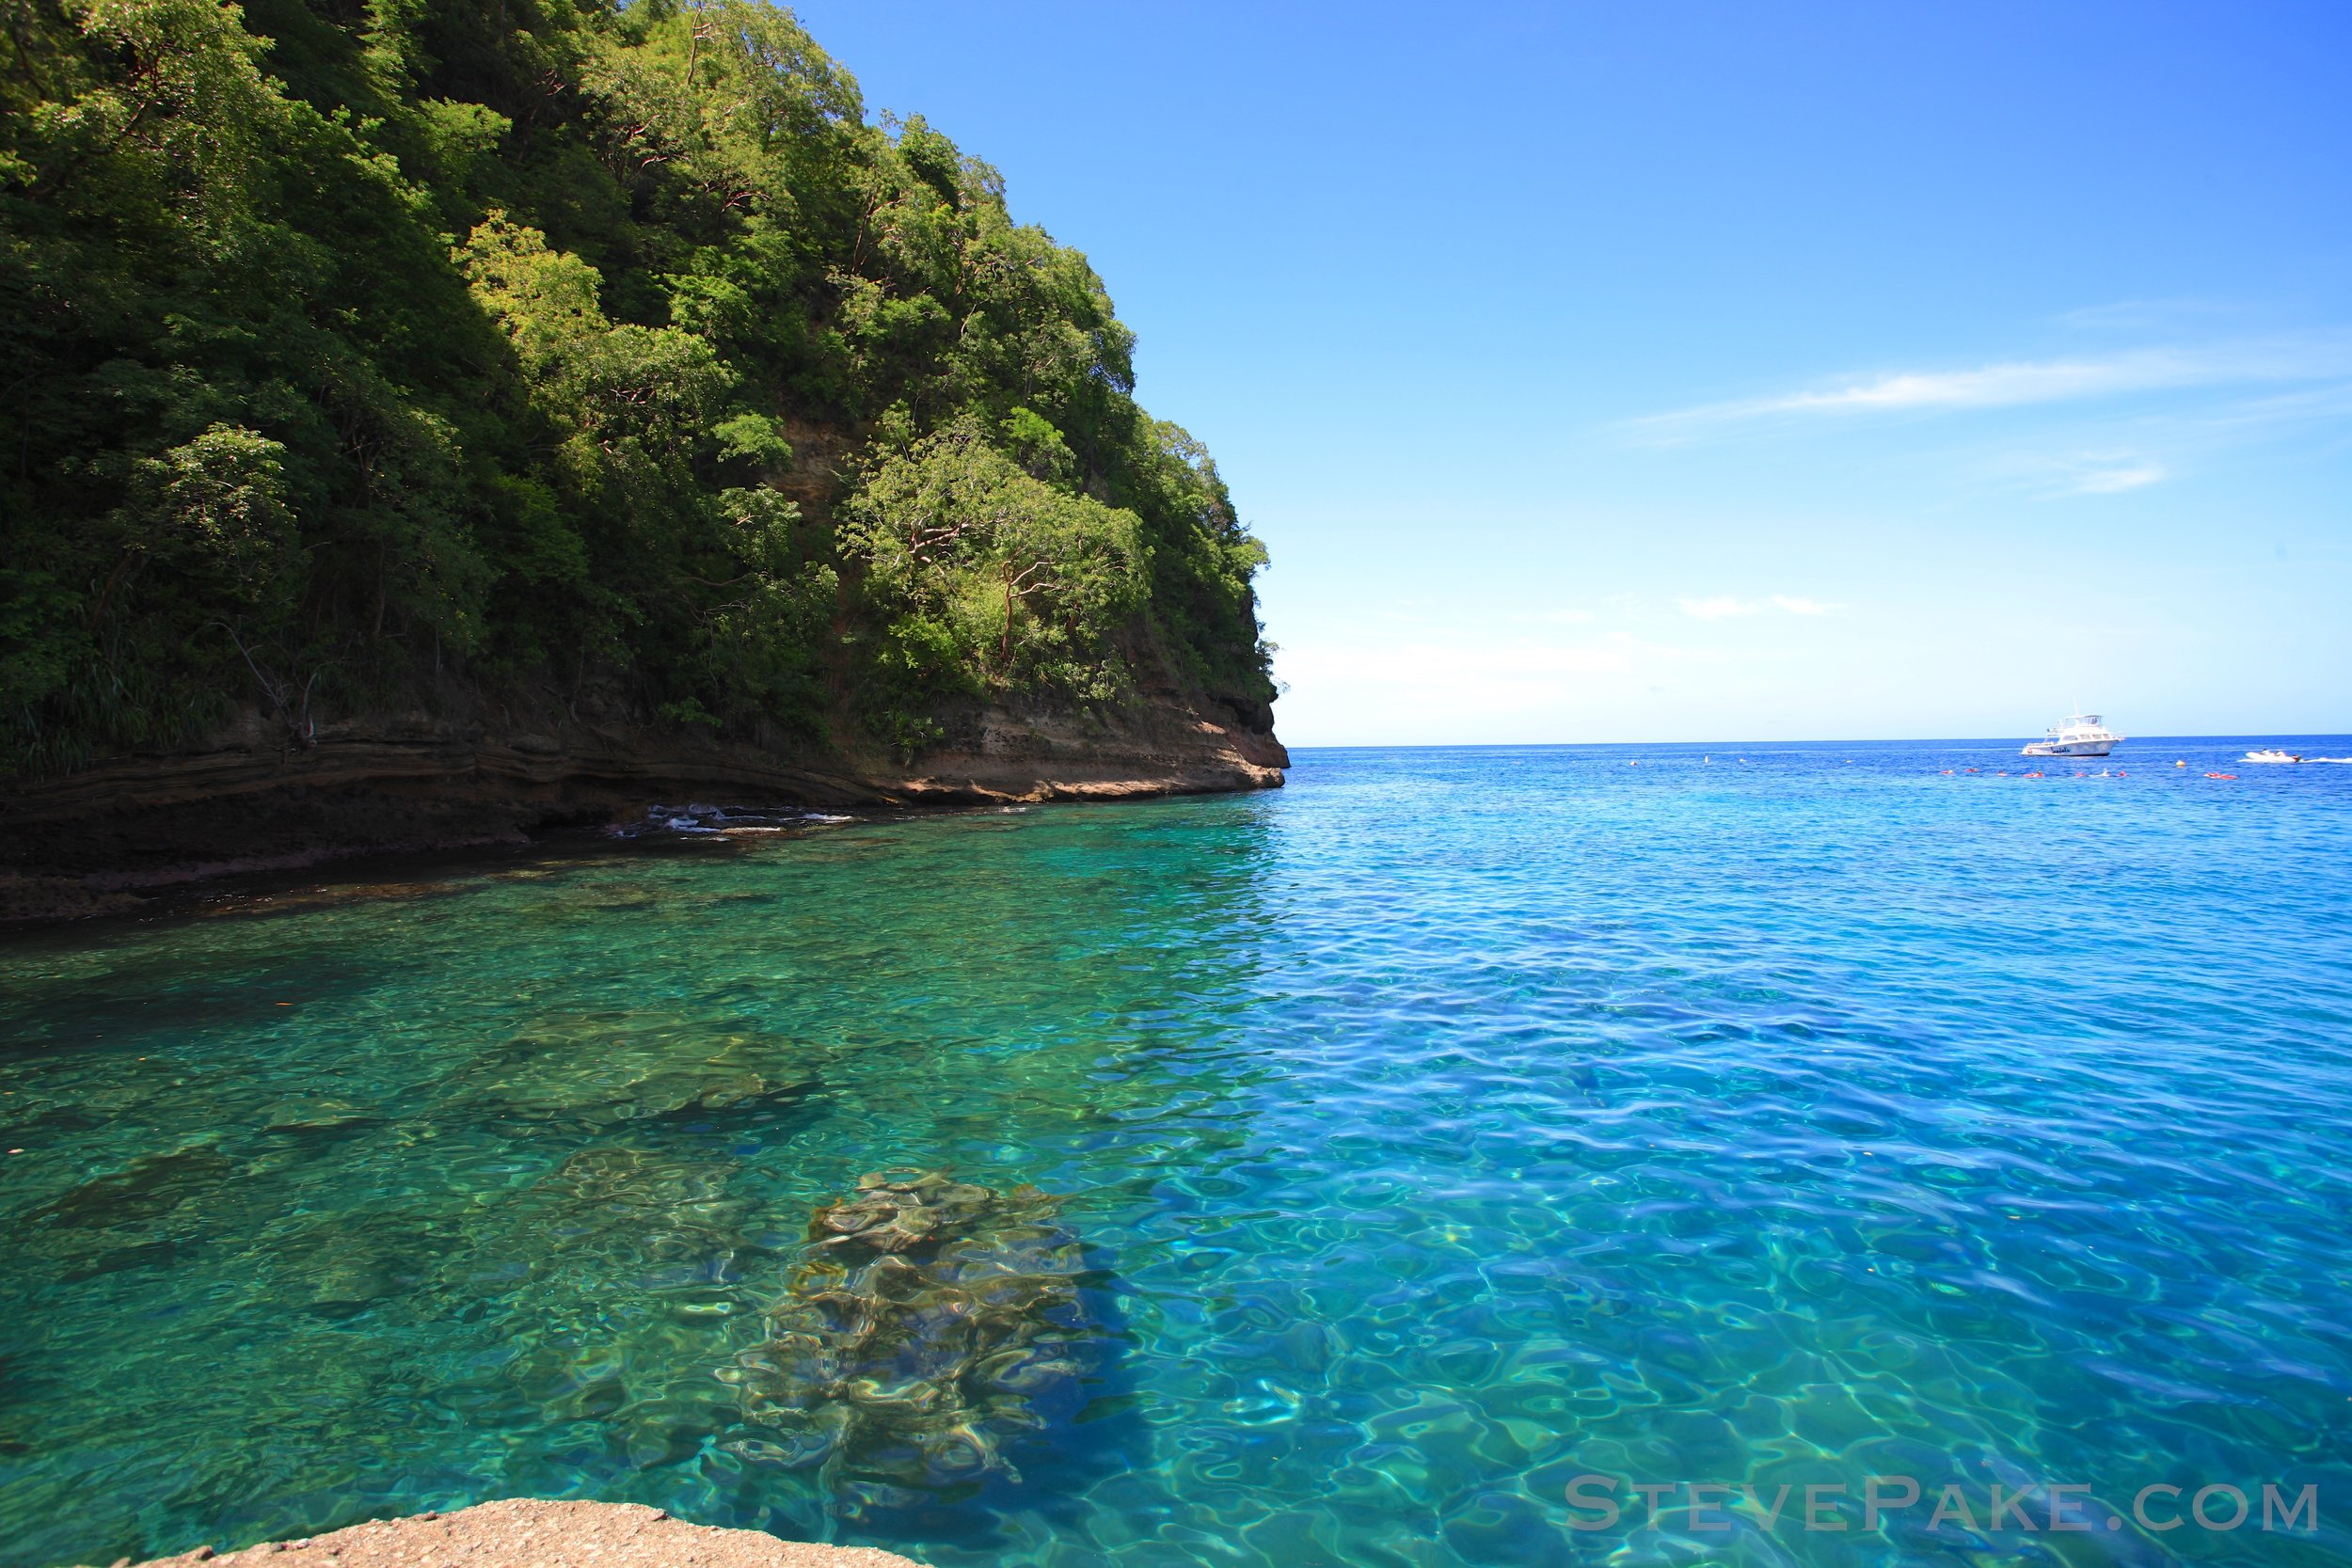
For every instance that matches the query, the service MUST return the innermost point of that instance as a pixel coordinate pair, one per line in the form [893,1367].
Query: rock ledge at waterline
[244,802]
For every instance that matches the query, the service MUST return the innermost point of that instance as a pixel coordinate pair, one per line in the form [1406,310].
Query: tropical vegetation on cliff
[377,355]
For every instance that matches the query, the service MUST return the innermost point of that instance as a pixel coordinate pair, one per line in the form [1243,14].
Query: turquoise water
[1410,1142]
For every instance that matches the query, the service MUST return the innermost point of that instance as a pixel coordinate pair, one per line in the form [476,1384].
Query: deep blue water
[1445,1126]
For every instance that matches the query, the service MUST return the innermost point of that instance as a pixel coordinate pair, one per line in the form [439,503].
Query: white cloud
[2310,405]
[1991,387]
[1724,607]
[2021,382]
[1718,608]
[2107,471]
[2108,482]
[1457,673]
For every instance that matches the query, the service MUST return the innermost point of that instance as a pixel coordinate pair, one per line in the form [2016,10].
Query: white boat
[2272,754]
[2080,735]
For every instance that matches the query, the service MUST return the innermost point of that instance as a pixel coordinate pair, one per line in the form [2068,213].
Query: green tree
[406,355]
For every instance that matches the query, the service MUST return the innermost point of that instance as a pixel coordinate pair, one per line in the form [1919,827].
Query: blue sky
[1676,372]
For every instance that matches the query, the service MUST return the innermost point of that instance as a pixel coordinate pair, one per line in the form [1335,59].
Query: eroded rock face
[933,1321]
[240,801]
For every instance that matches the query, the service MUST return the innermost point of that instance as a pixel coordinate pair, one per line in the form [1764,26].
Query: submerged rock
[338,1265]
[311,1114]
[932,1321]
[140,1216]
[599,898]
[600,1070]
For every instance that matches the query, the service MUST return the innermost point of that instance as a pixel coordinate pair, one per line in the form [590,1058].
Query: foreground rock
[524,1533]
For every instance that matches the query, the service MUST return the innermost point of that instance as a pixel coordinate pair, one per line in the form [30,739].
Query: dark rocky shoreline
[103,839]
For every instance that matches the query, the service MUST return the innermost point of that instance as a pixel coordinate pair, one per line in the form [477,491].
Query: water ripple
[1444,1127]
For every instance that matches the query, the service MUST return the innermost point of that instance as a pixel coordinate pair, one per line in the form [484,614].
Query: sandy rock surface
[524,1533]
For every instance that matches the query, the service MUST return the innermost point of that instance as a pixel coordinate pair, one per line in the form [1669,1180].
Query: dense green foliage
[367,353]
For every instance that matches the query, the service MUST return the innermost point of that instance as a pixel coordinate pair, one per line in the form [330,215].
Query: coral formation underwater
[933,1321]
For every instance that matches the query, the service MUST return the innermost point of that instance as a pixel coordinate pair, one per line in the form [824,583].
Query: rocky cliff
[449,425]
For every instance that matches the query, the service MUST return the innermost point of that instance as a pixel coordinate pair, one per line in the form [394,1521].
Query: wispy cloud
[1457,684]
[1725,607]
[1721,608]
[2017,383]
[1455,673]
[2084,471]
[2132,450]
[2108,480]
[2143,314]
[2304,406]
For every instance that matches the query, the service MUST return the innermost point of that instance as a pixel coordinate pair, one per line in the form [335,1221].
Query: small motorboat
[2079,735]
[2272,754]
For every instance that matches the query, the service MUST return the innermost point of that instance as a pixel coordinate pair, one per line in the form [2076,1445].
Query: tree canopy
[368,354]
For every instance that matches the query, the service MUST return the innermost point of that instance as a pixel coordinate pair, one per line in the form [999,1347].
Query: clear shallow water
[1443,1127]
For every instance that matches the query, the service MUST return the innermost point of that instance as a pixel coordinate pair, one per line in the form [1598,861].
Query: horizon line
[1917,740]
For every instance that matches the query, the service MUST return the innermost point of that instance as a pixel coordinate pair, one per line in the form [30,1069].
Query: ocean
[1454,1158]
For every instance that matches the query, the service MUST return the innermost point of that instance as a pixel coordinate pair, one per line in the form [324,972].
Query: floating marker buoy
[2180,764]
